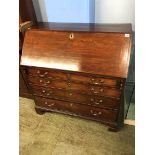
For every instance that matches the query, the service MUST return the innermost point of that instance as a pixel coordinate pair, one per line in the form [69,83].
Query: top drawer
[96,80]
[73,77]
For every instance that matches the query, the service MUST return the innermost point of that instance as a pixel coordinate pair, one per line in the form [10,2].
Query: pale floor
[57,134]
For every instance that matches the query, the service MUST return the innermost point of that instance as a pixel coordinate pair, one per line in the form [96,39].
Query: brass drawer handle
[102,81]
[38,71]
[71,36]
[48,82]
[70,94]
[94,82]
[92,99]
[51,104]
[46,73]
[121,85]
[92,79]
[47,93]
[69,84]
[40,81]
[100,113]
[101,90]
[95,92]
[100,101]
[95,114]
[41,75]
[92,89]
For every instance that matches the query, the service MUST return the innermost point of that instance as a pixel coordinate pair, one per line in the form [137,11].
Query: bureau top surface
[73,48]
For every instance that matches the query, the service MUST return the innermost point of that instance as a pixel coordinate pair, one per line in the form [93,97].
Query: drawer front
[46,82]
[46,73]
[74,77]
[76,97]
[96,90]
[82,88]
[96,80]
[78,109]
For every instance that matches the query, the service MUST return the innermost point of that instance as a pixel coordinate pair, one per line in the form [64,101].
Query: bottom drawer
[78,109]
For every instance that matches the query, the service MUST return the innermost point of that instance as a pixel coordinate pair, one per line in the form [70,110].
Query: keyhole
[71,36]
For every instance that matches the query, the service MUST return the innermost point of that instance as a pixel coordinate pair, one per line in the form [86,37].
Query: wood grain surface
[103,53]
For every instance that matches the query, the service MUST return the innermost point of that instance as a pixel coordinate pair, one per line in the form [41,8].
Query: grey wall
[75,11]
[40,9]
[115,11]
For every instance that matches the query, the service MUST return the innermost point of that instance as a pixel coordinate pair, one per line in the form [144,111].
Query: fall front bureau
[78,69]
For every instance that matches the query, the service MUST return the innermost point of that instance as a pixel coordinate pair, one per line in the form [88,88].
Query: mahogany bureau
[78,69]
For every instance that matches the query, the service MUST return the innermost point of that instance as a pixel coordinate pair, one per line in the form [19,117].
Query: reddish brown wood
[72,96]
[73,76]
[23,89]
[22,85]
[26,13]
[77,87]
[96,53]
[88,111]
[78,69]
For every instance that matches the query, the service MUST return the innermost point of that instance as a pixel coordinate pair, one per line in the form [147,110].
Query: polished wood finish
[23,88]
[77,109]
[73,76]
[78,87]
[78,69]
[71,96]
[26,13]
[108,53]
[22,85]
